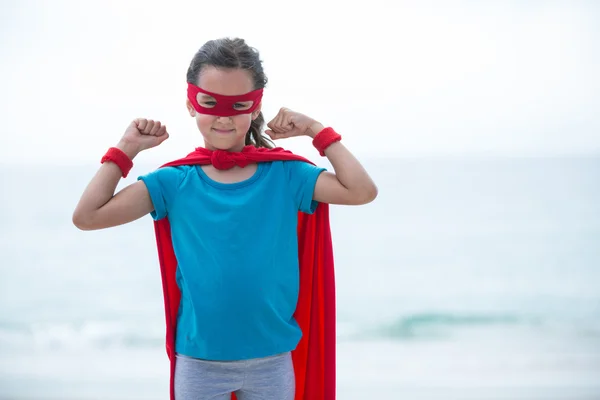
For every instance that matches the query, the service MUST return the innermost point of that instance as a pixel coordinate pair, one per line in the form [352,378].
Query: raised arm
[350,184]
[99,207]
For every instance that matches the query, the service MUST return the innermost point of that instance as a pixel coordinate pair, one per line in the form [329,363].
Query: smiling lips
[223,131]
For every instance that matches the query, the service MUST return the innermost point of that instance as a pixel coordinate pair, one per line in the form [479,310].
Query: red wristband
[325,138]
[120,158]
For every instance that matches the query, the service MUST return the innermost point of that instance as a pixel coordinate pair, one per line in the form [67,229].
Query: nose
[223,119]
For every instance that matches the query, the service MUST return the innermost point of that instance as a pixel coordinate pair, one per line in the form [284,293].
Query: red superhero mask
[225,105]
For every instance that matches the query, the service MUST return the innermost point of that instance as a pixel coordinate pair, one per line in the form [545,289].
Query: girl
[234,225]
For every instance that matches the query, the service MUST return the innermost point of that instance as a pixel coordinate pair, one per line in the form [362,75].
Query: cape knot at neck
[222,159]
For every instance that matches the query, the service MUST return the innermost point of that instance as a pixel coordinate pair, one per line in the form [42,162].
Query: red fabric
[222,159]
[224,105]
[325,138]
[120,158]
[314,357]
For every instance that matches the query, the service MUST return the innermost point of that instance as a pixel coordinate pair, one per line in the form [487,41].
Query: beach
[466,279]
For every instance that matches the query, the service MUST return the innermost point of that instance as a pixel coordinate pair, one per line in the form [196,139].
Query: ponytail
[254,135]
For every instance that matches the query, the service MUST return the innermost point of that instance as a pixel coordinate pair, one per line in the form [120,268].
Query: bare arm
[350,184]
[99,207]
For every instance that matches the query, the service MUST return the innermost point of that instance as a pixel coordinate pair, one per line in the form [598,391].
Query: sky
[394,78]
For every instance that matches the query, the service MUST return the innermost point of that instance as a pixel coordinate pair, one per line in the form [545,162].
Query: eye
[242,106]
[208,103]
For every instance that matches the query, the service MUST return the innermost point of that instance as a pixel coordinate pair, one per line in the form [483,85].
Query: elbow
[81,221]
[371,194]
[367,195]
[78,221]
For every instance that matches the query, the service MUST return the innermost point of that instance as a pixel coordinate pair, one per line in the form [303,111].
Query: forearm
[100,189]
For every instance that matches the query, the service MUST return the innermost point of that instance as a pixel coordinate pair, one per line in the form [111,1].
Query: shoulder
[168,176]
[300,167]
[297,173]
[289,167]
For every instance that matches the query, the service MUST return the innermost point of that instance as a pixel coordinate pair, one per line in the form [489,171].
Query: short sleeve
[302,180]
[163,186]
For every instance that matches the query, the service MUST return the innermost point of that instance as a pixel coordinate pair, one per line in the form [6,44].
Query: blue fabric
[237,252]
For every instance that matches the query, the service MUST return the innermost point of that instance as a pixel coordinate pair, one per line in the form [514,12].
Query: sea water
[467,278]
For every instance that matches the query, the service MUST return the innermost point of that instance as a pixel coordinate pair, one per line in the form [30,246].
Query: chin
[226,144]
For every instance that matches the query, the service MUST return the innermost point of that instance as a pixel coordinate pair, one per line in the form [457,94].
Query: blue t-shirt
[237,251]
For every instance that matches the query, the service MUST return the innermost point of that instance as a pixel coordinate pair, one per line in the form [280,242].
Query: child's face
[223,133]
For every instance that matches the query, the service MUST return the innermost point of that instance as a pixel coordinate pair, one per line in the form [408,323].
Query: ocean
[467,278]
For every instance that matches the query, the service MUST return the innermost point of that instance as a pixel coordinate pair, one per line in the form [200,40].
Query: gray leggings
[269,378]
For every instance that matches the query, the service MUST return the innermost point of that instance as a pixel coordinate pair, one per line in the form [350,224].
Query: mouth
[223,131]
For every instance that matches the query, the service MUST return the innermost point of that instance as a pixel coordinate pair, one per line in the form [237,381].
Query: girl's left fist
[288,123]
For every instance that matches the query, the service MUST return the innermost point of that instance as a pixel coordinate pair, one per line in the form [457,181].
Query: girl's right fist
[142,134]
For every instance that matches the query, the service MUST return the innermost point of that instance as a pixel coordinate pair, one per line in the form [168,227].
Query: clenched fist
[288,123]
[142,134]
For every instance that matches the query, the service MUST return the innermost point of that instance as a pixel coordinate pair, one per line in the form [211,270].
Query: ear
[190,108]
[256,112]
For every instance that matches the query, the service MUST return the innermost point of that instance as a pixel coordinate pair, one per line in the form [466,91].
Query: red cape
[314,357]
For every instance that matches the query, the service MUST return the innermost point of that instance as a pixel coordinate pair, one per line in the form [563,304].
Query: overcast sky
[392,77]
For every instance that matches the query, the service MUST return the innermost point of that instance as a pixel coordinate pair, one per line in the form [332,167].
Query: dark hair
[233,53]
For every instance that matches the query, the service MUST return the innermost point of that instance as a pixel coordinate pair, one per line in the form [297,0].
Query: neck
[234,148]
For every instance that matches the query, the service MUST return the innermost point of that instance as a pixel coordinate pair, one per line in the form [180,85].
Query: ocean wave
[102,334]
[80,335]
[441,325]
